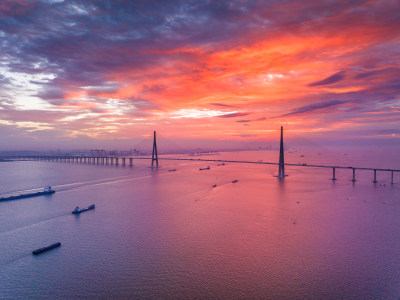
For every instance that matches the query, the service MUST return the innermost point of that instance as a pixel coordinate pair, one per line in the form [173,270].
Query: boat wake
[13,230]
[3,264]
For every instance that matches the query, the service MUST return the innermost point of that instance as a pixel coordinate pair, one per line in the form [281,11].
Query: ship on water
[46,191]
[78,210]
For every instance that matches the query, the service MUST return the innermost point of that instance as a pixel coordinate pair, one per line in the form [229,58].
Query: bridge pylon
[281,174]
[154,156]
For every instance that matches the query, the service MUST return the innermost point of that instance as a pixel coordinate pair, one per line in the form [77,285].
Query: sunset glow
[82,71]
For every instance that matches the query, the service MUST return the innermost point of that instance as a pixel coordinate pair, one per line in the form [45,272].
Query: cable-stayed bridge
[101,158]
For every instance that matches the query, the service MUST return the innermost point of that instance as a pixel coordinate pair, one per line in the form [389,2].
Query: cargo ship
[78,210]
[44,249]
[45,191]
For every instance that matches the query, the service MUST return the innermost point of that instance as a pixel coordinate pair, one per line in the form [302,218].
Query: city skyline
[107,72]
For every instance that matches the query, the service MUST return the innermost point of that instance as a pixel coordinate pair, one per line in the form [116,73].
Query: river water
[161,234]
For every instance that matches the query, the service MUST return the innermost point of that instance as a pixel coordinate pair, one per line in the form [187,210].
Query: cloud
[106,62]
[391,72]
[329,80]
[233,115]
[246,135]
[313,107]
[221,105]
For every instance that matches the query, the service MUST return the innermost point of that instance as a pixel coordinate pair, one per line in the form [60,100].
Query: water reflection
[160,234]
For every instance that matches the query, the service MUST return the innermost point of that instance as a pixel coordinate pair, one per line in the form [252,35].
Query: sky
[97,73]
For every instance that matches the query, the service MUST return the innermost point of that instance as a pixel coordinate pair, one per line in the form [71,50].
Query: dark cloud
[221,105]
[14,8]
[51,94]
[243,121]
[233,115]
[329,80]
[315,106]
[389,131]
[143,104]
[385,72]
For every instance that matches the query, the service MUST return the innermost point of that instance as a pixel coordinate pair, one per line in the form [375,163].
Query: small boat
[234,181]
[214,185]
[207,168]
[172,170]
[47,248]
[45,191]
[78,210]
[223,164]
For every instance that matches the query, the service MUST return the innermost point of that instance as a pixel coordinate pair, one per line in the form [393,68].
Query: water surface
[160,234]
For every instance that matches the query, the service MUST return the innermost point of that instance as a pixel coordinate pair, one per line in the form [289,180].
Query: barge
[45,191]
[207,168]
[78,210]
[44,249]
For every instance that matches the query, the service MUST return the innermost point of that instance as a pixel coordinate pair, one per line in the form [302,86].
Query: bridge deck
[205,160]
[277,164]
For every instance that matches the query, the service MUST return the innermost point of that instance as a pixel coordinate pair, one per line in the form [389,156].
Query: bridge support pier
[131,162]
[392,178]
[374,177]
[116,161]
[354,175]
[333,173]
[123,161]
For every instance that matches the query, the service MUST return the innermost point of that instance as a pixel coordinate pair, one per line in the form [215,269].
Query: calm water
[160,234]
